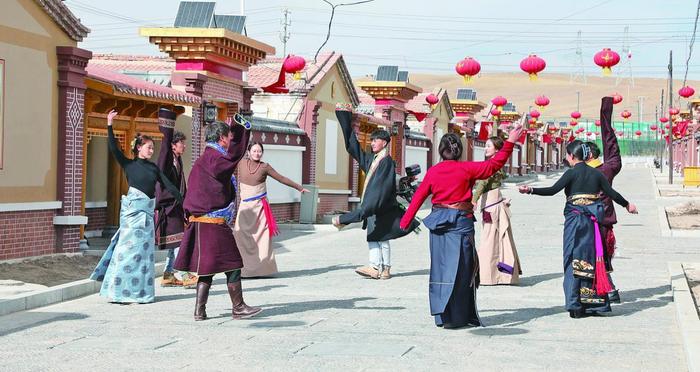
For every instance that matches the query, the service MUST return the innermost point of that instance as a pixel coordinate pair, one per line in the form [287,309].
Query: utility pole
[579,72]
[284,32]
[670,131]
[578,101]
[661,146]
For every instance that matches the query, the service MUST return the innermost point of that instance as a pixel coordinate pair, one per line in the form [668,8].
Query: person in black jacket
[379,210]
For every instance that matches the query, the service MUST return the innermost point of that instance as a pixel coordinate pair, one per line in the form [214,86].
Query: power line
[284,32]
[692,41]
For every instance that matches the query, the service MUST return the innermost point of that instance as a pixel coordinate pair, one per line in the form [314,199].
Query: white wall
[478,153]
[417,155]
[287,161]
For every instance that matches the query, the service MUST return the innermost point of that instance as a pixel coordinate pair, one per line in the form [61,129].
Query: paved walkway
[320,316]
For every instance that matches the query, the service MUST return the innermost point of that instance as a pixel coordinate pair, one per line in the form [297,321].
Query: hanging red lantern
[663,119]
[588,134]
[673,111]
[686,91]
[432,100]
[597,123]
[625,114]
[294,65]
[606,59]
[617,98]
[653,127]
[638,133]
[535,114]
[496,112]
[542,101]
[532,121]
[573,123]
[499,102]
[533,65]
[575,115]
[467,68]
[620,133]
[667,126]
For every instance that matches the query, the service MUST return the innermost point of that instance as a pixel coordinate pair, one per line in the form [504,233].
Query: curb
[666,230]
[687,315]
[54,295]
[306,227]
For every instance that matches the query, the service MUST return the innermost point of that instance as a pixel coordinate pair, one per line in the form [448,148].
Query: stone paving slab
[319,315]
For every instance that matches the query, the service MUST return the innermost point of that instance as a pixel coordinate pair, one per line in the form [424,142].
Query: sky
[432,36]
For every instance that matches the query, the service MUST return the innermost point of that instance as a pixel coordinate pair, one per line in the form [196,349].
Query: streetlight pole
[661,143]
[670,103]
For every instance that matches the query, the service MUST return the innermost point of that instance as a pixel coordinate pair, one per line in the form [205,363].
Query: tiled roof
[418,103]
[134,86]
[266,72]
[272,125]
[64,18]
[124,63]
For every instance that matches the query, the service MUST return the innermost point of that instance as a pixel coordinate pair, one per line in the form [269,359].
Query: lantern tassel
[467,79]
[533,77]
[607,71]
[297,75]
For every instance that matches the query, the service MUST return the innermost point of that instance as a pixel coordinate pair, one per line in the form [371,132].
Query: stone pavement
[319,315]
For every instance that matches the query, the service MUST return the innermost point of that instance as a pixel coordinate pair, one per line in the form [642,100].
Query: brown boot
[240,309]
[189,281]
[200,307]
[368,272]
[169,280]
[385,273]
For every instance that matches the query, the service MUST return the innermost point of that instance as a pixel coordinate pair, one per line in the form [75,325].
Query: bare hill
[517,88]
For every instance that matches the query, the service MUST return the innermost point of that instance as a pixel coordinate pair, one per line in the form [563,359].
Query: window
[331,153]
[2,107]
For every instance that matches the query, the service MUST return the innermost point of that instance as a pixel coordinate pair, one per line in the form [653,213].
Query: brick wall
[285,212]
[97,218]
[331,203]
[26,233]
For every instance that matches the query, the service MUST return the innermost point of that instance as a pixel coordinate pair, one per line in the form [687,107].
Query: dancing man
[170,216]
[610,168]
[379,210]
[208,246]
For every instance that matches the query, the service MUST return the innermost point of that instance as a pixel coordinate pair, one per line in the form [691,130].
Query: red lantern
[468,67]
[620,133]
[432,100]
[653,127]
[606,59]
[499,102]
[535,114]
[625,114]
[638,133]
[495,112]
[597,123]
[617,98]
[542,102]
[673,111]
[575,115]
[686,91]
[588,134]
[663,119]
[580,130]
[294,65]
[532,121]
[573,123]
[533,65]
[667,126]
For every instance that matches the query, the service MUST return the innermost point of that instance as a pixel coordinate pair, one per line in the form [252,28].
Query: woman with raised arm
[586,283]
[127,268]
[498,259]
[255,224]
[454,266]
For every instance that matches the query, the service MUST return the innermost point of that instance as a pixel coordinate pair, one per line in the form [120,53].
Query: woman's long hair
[450,147]
[579,150]
[139,140]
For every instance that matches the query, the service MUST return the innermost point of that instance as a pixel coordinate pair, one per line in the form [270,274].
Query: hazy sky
[431,36]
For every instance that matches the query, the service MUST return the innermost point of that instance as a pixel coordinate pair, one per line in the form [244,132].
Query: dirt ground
[50,271]
[684,216]
[693,275]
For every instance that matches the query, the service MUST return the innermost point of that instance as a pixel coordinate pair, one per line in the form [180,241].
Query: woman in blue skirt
[127,268]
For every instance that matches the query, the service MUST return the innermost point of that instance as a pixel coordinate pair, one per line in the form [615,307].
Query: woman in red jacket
[454,266]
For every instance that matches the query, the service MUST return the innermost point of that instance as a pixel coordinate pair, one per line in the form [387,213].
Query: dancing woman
[255,224]
[454,266]
[586,282]
[126,269]
[498,259]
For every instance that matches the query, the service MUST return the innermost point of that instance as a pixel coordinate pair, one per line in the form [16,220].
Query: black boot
[240,309]
[577,314]
[200,307]
[614,296]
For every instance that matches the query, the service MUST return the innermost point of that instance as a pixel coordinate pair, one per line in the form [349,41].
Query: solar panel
[194,14]
[387,73]
[233,23]
[403,76]
[509,107]
[464,93]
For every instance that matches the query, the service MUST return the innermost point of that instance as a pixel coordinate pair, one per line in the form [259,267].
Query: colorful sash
[370,172]
[271,222]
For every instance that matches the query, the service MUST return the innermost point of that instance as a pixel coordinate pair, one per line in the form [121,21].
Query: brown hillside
[517,88]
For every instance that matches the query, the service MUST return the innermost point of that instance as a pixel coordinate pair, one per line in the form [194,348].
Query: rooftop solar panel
[233,23]
[387,73]
[403,76]
[194,14]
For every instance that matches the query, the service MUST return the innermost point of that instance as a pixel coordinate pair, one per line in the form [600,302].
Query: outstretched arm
[609,191]
[239,143]
[554,189]
[611,149]
[482,170]
[112,143]
[416,202]
[165,155]
[351,143]
[282,179]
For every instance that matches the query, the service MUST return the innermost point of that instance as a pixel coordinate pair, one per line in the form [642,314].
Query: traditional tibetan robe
[170,215]
[208,246]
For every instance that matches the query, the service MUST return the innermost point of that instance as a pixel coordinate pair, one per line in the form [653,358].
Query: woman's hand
[304,191]
[507,201]
[228,121]
[631,208]
[110,117]
[514,133]
[524,189]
